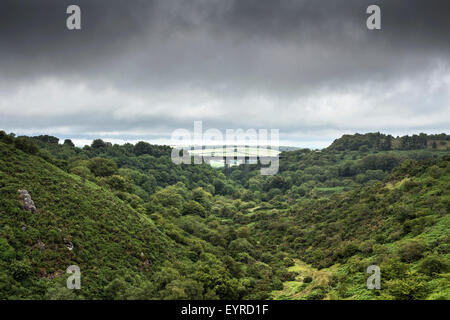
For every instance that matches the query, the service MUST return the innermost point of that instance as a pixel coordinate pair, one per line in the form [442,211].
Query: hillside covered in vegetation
[141,227]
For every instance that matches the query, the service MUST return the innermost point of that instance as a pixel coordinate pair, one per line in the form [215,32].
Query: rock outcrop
[68,244]
[28,203]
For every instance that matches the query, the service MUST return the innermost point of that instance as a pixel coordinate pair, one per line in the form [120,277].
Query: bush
[433,264]
[393,269]
[195,208]
[69,143]
[101,167]
[5,137]
[81,171]
[317,294]
[7,252]
[289,262]
[118,183]
[350,250]
[168,197]
[289,276]
[26,146]
[21,269]
[240,245]
[98,143]
[411,251]
[410,288]
[243,232]
[183,289]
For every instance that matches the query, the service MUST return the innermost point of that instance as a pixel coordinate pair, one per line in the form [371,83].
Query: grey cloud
[224,41]
[260,62]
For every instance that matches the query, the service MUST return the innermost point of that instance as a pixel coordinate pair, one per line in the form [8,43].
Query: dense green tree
[195,208]
[98,143]
[102,167]
[370,203]
[411,250]
[434,264]
[69,143]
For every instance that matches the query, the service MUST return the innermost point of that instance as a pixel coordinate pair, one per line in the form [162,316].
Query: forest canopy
[167,231]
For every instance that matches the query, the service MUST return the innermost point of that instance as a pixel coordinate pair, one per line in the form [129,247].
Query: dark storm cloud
[218,39]
[35,40]
[163,63]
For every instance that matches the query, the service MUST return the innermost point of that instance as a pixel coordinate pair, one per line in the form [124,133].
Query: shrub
[21,269]
[81,171]
[433,265]
[411,251]
[118,183]
[26,146]
[243,232]
[101,167]
[168,197]
[69,143]
[98,143]
[410,288]
[5,137]
[288,262]
[240,245]
[289,276]
[393,269]
[193,207]
[7,252]
[350,250]
[317,294]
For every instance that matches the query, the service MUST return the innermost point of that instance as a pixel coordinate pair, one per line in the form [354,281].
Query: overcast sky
[140,69]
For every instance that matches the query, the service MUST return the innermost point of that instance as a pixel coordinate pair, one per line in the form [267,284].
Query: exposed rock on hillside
[28,203]
[68,244]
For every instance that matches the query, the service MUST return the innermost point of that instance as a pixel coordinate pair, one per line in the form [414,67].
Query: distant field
[220,153]
[299,289]
[236,152]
